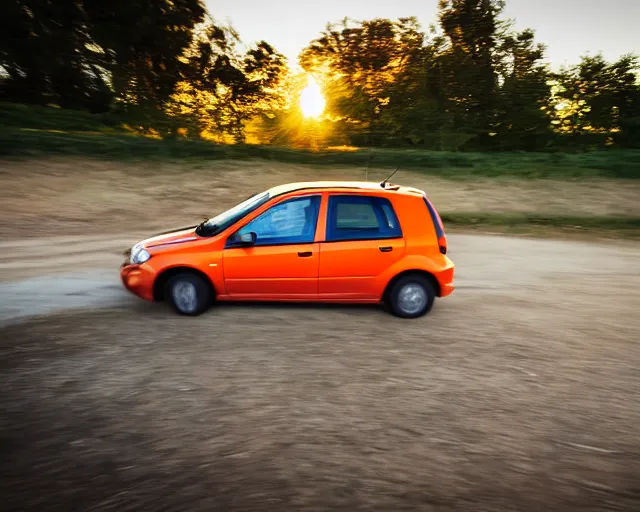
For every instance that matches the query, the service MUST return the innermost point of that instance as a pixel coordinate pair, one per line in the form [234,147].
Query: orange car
[350,242]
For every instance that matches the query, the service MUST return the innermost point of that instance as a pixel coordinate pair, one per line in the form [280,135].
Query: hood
[169,238]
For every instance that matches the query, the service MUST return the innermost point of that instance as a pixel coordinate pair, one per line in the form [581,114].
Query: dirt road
[519,392]
[40,276]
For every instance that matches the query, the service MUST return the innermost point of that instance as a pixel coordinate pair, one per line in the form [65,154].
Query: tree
[85,52]
[522,120]
[222,89]
[144,41]
[361,61]
[474,79]
[470,29]
[596,96]
[49,55]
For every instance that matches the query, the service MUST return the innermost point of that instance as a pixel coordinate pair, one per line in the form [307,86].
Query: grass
[29,131]
[624,227]
[17,116]
[599,164]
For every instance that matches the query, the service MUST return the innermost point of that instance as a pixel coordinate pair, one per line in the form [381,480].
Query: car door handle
[386,249]
[305,254]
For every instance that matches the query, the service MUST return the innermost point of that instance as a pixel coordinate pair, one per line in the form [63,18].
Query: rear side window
[361,218]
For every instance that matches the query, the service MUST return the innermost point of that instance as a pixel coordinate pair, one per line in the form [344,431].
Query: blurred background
[468,80]
[520,120]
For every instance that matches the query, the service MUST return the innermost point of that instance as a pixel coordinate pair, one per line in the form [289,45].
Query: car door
[284,262]
[363,239]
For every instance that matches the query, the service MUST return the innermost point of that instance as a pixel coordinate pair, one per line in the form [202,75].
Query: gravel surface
[520,392]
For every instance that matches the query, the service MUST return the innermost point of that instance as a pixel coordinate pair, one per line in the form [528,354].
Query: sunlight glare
[312,100]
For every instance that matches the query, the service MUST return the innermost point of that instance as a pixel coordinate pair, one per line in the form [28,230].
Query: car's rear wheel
[411,296]
[188,293]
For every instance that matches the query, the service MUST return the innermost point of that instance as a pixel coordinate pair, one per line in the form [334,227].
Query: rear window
[361,218]
[351,215]
[435,218]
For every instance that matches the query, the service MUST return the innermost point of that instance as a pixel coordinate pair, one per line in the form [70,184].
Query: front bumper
[138,279]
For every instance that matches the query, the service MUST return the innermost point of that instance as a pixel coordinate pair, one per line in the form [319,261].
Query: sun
[312,100]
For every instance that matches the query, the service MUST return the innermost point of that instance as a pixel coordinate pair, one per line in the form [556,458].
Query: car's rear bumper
[138,280]
[446,289]
[445,279]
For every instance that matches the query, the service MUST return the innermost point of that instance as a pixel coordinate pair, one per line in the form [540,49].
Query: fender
[440,266]
[212,268]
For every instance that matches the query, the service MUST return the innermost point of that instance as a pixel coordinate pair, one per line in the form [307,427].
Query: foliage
[163,65]
[602,97]
[473,83]
[365,60]
[618,227]
[454,90]
[522,119]
[467,61]
[167,69]
[224,89]
[49,55]
[102,140]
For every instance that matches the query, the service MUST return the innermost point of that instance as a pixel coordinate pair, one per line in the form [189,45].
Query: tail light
[442,244]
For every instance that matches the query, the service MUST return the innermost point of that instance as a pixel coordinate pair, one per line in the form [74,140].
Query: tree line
[167,68]
[163,65]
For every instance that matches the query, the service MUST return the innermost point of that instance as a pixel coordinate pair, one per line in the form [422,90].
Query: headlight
[139,255]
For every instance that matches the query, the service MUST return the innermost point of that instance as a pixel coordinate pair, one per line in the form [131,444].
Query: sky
[569,28]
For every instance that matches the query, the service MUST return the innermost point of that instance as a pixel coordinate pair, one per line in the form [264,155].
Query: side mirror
[246,239]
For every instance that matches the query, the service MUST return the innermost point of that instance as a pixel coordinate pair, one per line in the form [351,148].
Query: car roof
[359,185]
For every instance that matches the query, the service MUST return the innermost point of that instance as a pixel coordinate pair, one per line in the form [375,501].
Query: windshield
[221,222]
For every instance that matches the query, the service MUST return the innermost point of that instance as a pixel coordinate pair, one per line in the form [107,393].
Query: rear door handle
[305,254]
[385,249]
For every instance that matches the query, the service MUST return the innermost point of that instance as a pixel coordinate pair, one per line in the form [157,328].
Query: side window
[289,222]
[361,218]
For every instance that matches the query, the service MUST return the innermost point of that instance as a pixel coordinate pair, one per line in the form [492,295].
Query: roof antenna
[383,183]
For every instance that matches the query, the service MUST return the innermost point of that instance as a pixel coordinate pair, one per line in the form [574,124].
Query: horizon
[567,35]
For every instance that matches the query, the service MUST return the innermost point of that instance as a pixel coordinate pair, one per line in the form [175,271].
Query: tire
[411,296]
[188,293]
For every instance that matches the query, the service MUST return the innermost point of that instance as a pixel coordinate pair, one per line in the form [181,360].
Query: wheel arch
[168,273]
[428,275]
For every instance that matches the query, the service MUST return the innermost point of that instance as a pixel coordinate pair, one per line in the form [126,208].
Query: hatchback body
[350,242]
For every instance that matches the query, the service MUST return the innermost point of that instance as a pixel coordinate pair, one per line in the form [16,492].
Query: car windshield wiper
[205,230]
[202,227]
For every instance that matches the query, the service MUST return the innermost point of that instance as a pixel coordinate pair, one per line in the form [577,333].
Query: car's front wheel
[411,296]
[188,293]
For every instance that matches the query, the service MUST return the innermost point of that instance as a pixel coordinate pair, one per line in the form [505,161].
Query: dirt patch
[61,196]
[519,392]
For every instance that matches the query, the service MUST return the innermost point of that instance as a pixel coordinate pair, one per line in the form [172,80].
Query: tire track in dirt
[518,392]
[41,276]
